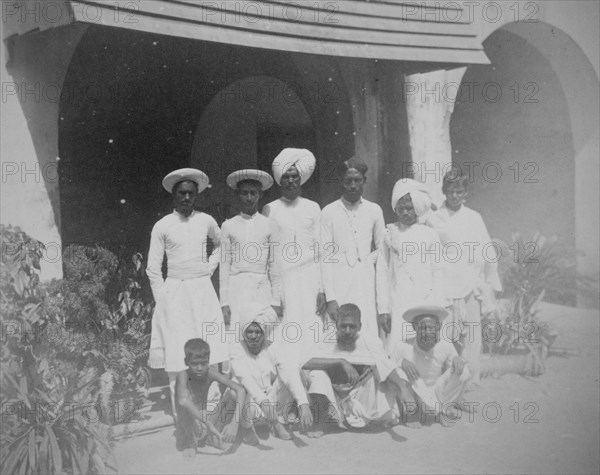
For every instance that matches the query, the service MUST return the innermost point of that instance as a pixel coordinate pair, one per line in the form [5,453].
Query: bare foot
[315,434]
[250,437]
[189,453]
[281,432]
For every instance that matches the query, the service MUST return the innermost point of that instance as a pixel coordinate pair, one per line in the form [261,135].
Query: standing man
[352,230]
[408,266]
[470,273]
[298,223]
[187,305]
[248,269]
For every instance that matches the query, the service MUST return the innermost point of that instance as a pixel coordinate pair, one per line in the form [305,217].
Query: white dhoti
[248,288]
[447,389]
[301,326]
[278,395]
[356,284]
[367,401]
[186,309]
[465,320]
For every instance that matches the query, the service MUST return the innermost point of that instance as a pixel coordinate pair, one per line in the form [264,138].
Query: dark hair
[454,177]
[355,163]
[176,185]
[350,309]
[249,181]
[193,348]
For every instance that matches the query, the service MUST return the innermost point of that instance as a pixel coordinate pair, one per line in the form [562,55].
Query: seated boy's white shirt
[368,351]
[257,372]
[430,364]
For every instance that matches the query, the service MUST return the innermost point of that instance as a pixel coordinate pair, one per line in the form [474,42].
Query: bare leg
[319,407]
[408,406]
[172,380]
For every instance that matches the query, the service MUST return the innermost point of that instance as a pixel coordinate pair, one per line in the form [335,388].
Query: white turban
[263,315]
[419,195]
[303,159]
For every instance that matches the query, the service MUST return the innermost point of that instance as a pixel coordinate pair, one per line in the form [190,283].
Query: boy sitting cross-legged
[194,422]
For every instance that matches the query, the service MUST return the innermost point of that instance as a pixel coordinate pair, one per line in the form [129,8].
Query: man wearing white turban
[408,269]
[187,305]
[271,379]
[296,223]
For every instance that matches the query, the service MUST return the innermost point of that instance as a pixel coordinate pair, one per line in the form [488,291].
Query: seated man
[272,383]
[194,421]
[437,374]
[351,380]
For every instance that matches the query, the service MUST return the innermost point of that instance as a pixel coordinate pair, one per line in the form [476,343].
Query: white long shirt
[351,233]
[468,257]
[257,372]
[298,228]
[184,241]
[247,246]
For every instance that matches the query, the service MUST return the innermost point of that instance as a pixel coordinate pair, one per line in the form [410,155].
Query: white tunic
[437,385]
[297,230]
[351,235]
[469,258]
[186,302]
[408,273]
[248,271]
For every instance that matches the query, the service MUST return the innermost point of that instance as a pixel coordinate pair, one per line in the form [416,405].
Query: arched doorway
[141,102]
[523,126]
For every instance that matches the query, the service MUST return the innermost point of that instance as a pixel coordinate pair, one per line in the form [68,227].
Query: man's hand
[230,431]
[351,372]
[269,410]
[226,314]
[384,320]
[410,369]
[306,417]
[333,309]
[321,303]
[458,365]
[278,310]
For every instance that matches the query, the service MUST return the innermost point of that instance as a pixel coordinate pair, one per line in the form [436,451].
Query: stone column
[430,99]
[33,73]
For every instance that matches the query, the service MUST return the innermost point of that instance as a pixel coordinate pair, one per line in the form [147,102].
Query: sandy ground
[548,424]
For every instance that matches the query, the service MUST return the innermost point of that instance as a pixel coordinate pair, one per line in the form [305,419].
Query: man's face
[406,211]
[184,197]
[353,183]
[348,327]
[290,183]
[455,196]
[428,332]
[249,193]
[254,338]
[199,363]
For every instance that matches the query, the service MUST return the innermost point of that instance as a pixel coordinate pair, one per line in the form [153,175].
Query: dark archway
[511,128]
[129,112]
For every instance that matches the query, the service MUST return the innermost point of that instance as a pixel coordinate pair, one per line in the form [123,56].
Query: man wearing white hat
[187,305]
[408,267]
[272,381]
[437,374]
[297,222]
[352,230]
[248,271]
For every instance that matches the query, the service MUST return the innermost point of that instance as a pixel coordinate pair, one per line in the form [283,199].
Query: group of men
[326,319]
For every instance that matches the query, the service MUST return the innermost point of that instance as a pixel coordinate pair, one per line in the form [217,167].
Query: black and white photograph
[300,236]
